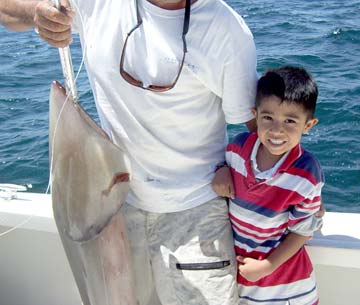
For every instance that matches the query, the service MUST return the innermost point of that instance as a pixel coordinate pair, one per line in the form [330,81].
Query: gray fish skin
[89,183]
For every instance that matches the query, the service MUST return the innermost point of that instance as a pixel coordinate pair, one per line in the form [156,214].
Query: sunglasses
[133,81]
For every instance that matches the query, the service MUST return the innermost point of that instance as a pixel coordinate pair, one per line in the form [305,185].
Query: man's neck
[170,4]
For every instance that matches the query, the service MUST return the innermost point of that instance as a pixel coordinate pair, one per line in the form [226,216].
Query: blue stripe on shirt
[241,138]
[279,299]
[310,164]
[257,208]
[253,244]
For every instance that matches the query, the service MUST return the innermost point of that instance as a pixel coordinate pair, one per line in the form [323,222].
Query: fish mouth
[118,177]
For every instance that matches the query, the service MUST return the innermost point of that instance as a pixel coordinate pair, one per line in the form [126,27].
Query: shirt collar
[267,174]
[293,155]
[290,157]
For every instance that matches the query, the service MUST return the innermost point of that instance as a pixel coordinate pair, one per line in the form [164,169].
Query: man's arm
[222,183]
[18,15]
[251,125]
[53,25]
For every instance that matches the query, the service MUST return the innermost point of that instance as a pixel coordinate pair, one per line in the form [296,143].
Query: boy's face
[281,125]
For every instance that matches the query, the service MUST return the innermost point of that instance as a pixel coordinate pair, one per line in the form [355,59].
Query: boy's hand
[253,269]
[223,183]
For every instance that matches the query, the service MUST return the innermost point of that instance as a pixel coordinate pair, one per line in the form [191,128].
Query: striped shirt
[264,212]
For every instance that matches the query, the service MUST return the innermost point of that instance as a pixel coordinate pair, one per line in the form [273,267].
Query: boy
[275,192]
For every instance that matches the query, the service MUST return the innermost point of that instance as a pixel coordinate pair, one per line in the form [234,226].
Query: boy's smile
[280,126]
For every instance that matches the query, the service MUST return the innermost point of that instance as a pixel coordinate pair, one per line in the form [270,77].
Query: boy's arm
[222,183]
[253,269]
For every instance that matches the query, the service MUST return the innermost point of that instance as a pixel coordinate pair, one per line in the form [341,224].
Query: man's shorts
[183,258]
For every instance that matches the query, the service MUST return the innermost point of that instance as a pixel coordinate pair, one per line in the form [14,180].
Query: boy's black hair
[290,84]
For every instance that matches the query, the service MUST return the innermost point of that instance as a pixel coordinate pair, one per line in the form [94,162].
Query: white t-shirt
[174,139]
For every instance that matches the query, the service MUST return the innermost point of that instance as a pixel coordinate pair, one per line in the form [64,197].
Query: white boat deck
[34,269]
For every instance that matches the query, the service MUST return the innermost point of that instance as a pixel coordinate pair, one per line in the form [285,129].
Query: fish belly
[89,183]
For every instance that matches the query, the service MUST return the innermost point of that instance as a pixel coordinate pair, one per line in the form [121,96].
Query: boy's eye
[290,121]
[267,117]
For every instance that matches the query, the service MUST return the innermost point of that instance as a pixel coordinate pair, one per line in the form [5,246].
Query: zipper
[202,266]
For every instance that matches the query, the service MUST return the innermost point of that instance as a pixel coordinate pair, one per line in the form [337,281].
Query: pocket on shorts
[203,266]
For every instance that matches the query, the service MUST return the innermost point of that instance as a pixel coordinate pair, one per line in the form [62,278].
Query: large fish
[89,178]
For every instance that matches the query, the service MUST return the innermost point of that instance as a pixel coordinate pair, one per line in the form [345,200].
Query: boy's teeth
[276,141]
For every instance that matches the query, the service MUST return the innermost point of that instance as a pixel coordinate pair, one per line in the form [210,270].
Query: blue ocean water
[322,36]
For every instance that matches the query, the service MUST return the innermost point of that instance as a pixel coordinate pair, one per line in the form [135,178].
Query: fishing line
[63,106]
[55,130]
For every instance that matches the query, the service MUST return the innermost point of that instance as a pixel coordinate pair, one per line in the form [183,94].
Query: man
[166,78]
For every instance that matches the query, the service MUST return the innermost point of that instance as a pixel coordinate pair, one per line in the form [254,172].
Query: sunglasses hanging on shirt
[133,81]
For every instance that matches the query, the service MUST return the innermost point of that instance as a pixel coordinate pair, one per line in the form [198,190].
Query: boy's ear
[253,110]
[310,124]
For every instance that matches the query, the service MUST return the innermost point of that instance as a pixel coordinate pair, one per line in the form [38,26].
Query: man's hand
[321,212]
[223,183]
[52,24]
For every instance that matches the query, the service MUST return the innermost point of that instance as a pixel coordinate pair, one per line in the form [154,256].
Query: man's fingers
[321,212]
[221,190]
[66,9]
[53,25]
[50,26]
[59,40]
[45,10]
[66,4]
[57,43]
[225,191]
[58,35]
[231,191]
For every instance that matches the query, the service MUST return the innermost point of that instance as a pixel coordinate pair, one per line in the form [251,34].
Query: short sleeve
[302,219]
[240,76]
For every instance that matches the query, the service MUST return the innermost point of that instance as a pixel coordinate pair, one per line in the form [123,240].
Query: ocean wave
[345,34]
